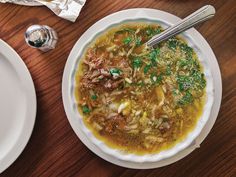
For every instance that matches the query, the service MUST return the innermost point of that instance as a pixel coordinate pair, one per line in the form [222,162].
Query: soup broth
[139,99]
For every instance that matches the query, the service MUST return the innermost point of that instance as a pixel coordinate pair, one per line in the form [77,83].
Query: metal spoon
[199,16]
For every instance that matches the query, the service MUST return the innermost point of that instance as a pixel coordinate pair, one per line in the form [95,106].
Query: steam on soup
[138,99]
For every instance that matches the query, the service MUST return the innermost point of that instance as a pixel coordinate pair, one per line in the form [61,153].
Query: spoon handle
[199,16]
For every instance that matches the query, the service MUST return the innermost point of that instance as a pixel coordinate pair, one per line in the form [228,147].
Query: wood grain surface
[55,150]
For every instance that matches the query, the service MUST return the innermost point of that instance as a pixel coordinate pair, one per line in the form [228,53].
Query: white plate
[17,105]
[165,19]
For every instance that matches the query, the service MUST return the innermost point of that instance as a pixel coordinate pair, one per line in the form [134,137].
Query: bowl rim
[69,78]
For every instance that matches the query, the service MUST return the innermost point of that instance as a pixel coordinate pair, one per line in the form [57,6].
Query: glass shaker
[41,37]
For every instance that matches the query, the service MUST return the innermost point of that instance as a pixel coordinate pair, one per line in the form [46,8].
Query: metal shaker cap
[41,36]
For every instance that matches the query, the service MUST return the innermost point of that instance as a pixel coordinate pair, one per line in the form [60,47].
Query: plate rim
[66,80]
[27,128]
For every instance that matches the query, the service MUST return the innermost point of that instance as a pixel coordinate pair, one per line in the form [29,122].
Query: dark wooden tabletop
[55,150]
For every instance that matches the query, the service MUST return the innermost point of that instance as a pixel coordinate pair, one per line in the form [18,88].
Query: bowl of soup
[138,103]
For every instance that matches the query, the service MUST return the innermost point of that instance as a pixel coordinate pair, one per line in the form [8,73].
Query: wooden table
[55,150]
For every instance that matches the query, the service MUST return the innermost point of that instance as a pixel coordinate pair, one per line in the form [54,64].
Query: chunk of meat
[111,84]
[93,61]
[98,118]
[93,77]
[86,83]
[114,123]
[105,72]
[165,126]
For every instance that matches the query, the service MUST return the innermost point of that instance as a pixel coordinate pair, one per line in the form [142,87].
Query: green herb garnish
[138,41]
[94,97]
[182,63]
[115,71]
[186,99]
[153,56]
[147,68]
[85,109]
[188,50]
[168,70]
[159,78]
[156,78]
[173,43]
[150,32]
[141,83]
[137,62]
[157,31]
[199,79]
[184,82]
[175,92]
[127,40]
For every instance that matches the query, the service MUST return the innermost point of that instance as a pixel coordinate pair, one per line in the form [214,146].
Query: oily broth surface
[135,99]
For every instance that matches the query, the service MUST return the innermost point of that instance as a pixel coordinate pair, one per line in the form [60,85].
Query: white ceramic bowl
[193,39]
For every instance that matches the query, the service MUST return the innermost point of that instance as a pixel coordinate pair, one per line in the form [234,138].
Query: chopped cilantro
[181,86]
[138,41]
[127,40]
[184,82]
[115,71]
[137,62]
[85,109]
[157,31]
[182,63]
[150,31]
[199,79]
[94,97]
[175,92]
[147,68]
[168,71]
[156,78]
[173,43]
[141,84]
[186,99]
[159,78]
[153,56]
[188,50]
[189,63]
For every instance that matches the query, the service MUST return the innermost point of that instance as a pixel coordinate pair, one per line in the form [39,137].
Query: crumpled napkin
[67,9]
